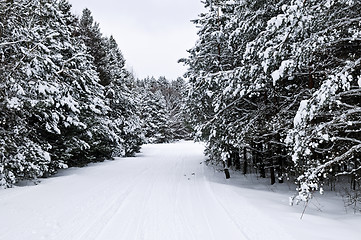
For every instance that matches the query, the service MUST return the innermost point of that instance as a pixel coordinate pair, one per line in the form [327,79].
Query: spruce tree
[287,75]
[47,81]
[55,109]
[120,127]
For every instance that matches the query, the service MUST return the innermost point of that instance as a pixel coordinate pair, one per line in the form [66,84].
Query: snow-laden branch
[12,43]
[347,139]
[350,172]
[353,92]
[342,22]
[346,155]
[69,60]
[22,59]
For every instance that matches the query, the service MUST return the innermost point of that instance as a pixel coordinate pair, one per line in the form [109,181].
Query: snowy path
[164,193]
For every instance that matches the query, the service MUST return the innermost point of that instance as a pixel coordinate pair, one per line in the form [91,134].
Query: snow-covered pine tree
[209,57]
[161,110]
[232,104]
[209,61]
[120,128]
[253,101]
[274,105]
[46,84]
[54,112]
[176,102]
[153,112]
[326,136]
[125,123]
[96,44]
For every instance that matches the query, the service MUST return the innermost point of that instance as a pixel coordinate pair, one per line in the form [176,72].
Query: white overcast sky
[152,34]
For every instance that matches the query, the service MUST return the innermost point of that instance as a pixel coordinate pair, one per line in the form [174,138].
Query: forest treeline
[275,88]
[66,98]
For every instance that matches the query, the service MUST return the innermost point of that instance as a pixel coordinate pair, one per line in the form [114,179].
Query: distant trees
[161,104]
[276,85]
[64,95]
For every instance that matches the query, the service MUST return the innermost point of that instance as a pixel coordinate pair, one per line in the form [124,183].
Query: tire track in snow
[133,220]
[145,215]
[215,214]
[204,214]
[178,211]
[147,197]
[231,218]
[246,216]
[98,225]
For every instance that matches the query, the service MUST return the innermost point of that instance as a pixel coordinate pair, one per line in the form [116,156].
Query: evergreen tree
[122,123]
[326,134]
[245,98]
[96,45]
[47,81]
[179,119]
[230,105]
[55,109]
[162,109]
[153,112]
[125,126]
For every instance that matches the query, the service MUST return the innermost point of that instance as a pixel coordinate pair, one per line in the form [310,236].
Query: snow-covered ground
[166,192]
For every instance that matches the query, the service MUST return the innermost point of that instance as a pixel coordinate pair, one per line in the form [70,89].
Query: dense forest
[272,88]
[275,88]
[66,98]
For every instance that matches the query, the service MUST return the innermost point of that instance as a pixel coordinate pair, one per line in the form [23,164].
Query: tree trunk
[245,163]
[262,170]
[226,170]
[280,170]
[236,159]
[272,171]
[353,182]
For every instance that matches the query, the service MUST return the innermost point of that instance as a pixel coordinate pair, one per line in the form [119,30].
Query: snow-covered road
[164,193]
